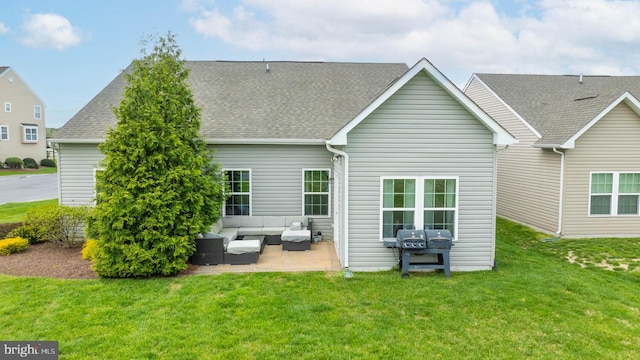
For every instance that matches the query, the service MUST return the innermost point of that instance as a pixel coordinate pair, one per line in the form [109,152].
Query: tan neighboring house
[576,169]
[22,119]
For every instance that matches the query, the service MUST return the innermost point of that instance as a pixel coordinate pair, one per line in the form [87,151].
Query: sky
[69,50]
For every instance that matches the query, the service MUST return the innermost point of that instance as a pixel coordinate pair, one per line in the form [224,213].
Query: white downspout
[495,201]
[345,215]
[560,202]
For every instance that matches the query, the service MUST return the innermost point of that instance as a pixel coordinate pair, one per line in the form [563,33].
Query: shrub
[30,163]
[55,223]
[89,249]
[13,245]
[47,163]
[6,228]
[32,233]
[14,163]
[71,221]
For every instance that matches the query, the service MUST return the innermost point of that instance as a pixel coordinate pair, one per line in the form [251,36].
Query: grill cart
[420,242]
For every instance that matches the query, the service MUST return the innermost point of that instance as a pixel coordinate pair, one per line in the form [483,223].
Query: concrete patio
[321,257]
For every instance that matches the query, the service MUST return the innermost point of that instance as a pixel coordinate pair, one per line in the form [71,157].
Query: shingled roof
[560,106]
[3,69]
[257,101]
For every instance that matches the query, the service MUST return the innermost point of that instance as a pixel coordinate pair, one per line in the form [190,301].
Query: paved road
[21,188]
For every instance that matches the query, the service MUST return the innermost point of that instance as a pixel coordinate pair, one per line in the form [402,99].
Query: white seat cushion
[243,247]
[273,230]
[296,235]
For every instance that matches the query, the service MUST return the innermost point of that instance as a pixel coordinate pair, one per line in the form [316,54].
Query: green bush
[6,228]
[158,189]
[71,220]
[14,163]
[55,223]
[34,227]
[47,163]
[13,245]
[30,163]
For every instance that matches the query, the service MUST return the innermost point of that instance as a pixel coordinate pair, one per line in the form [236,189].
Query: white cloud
[50,31]
[3,29]
[547,36]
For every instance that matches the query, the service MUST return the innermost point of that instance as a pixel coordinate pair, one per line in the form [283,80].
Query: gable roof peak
[560,107]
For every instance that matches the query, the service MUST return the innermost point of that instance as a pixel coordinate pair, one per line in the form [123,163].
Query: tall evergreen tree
[159,187]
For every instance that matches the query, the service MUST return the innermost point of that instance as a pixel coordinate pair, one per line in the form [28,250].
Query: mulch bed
[48,260]
[53,261]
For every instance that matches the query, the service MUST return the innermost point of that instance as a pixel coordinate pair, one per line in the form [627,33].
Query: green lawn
[13,212]
[40,171]
[536,306]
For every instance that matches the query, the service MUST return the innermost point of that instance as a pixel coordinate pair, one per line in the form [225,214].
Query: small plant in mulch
[13,245]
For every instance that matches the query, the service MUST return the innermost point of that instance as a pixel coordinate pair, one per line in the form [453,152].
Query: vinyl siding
[421,131]
[612,144]
[276,175]
[76,165]
[528,178]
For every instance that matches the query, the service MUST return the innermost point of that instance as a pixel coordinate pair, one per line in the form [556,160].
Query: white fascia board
[628,99]
[515,113]
[214,141]
[76,141]
[504,138]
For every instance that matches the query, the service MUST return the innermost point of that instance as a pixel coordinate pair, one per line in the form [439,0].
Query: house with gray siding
[390,146]
[575,171]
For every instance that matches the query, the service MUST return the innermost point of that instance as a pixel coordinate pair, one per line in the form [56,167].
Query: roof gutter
[222,141]
[560,202]
[76,141]
[345,214]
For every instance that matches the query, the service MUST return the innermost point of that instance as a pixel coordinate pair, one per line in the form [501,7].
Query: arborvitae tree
[158,187]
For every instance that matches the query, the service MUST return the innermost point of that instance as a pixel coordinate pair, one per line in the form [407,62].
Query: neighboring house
[361,148]
[576,169]
[22,126]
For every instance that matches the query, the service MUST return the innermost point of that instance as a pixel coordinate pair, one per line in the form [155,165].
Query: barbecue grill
[420,242]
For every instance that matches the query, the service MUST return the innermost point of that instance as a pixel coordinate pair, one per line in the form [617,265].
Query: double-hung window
[440,204]
[239,199]
[7,107]
[4,132]
[398,205]
[614,193]
[422,202]
[37,112]
[316,192]
[30,134]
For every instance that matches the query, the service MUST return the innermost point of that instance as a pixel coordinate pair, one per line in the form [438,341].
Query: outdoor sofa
[241,239]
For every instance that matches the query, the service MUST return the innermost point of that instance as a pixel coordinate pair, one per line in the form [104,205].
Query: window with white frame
[423,202]
[4,132]
[614,193]
[440,204]
[37,112]
[316,192]
[7,107]
[30,134]
[239,199]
